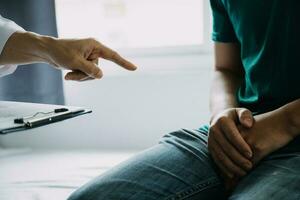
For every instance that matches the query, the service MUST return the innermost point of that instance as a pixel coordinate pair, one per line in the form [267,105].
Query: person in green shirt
[251,148]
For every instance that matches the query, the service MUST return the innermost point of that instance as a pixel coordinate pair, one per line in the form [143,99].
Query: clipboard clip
[24,119]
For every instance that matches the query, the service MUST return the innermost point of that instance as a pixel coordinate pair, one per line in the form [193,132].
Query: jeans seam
[194,189]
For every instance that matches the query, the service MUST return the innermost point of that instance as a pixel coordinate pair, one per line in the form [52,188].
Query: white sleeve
[7,28]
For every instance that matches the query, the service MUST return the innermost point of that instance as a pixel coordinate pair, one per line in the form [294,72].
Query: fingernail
[99,75]
[248,121]
[249,154]
[134,67]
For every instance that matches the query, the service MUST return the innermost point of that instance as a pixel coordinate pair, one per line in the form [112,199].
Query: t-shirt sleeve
[7,28]
[222,26]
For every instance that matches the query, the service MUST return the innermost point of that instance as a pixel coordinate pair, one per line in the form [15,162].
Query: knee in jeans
[185,136]
[179,134]
[188,141]
[79,195]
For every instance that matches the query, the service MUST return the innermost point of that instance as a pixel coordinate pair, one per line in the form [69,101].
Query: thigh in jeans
[179,167]
[277,177]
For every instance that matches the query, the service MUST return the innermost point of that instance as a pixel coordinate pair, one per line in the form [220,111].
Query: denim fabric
[180,167]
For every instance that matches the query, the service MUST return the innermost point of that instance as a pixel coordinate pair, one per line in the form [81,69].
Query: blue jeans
[180,167]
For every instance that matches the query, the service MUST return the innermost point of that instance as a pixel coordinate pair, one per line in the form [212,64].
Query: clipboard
[19,116]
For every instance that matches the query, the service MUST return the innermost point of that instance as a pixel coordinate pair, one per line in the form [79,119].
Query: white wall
[130,110]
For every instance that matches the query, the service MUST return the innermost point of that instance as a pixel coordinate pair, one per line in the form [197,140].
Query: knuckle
[246,111]
[221,158]
[223,120]
[245,115]
[92,40]
[232,152]
[213,129]
[114,54]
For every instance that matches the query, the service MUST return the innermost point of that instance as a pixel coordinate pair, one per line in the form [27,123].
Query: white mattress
[49,175]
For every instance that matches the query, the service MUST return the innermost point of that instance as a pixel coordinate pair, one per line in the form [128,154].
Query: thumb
[89,68]
[245,117]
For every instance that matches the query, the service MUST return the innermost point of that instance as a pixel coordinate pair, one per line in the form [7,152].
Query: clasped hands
[238,140]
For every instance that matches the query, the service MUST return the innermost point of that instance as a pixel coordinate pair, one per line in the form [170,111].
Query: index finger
[236,139]
[109,54]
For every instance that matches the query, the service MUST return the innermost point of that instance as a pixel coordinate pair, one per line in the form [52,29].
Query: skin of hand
[270,132]
[78,55]
[229,150]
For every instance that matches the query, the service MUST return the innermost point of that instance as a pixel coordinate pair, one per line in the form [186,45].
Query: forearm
[291,112]
[223,90]
[26,47]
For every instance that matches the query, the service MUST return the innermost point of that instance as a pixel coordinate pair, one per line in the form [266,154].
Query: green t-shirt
[268,32]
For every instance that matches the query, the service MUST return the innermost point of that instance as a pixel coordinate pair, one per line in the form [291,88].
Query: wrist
[292,118]
[41,46]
